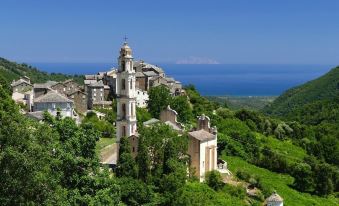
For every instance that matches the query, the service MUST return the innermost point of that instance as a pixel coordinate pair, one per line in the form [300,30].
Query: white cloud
[197,60]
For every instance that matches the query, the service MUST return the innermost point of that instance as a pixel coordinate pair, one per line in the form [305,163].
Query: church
[202,147]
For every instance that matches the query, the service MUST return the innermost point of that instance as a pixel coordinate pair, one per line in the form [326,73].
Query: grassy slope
[280,183]
[243,102]
[283,147]
[13,71]
[325,87]
[103,142]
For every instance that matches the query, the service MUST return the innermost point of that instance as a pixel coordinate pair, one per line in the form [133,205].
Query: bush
[213,180]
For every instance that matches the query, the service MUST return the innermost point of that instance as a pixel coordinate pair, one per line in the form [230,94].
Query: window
[123,84]
[95,90]
[123,111]
[132,110]
[131,84]
[53,105]
[95,94]
[123,131]
[133,149]
[123,65]
[100,90]
[64,89]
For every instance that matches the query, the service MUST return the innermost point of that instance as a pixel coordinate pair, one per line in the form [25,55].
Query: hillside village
[70,99]
[128,86]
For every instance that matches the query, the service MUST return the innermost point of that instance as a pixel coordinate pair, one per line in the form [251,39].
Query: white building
[202,147]
[126,95]
[142,98]
[54,103]
[274,200]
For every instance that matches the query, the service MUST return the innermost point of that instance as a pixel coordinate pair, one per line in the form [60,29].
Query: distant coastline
[217,79]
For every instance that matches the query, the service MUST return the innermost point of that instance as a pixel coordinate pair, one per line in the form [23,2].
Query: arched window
[123,84]
[131,84]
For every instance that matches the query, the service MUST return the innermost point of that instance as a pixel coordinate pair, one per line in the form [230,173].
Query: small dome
[125,50]
[274,198]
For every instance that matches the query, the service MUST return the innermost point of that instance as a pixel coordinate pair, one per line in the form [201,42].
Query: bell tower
[126,94]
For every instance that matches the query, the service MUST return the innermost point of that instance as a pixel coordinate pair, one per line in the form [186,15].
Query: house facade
[202,147]
[55,104]
[22,85]
[80,100]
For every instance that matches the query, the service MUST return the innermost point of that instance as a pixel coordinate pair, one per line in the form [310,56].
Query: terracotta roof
[202,135]
[274,198]
[52,97]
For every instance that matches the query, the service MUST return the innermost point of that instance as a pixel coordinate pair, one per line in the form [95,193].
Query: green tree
[303,177]
[126,166]
[181,105]
[159,98]
[143,160]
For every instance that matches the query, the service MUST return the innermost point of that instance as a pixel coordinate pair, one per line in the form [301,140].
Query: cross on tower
[125,38]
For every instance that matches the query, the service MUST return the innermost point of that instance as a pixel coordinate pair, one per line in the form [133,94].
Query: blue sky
[224,31]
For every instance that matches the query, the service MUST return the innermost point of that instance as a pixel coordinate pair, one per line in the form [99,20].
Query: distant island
[197,60]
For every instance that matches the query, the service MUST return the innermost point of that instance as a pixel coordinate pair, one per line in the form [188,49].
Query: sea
[217,79]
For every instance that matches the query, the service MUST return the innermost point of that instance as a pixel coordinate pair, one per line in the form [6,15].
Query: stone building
[141,66]
[174,86]
[110,79]
[202,147]
[274,200]
[22,91]
[95,93]
[169,117]
[80,100]
[54,103]
[66,87]
[141,81]
[22,85]
[40,89]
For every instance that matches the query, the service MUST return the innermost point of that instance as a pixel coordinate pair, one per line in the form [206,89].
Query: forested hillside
[309,96]
[13,71]
[55,162]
